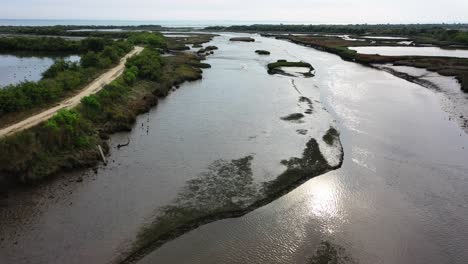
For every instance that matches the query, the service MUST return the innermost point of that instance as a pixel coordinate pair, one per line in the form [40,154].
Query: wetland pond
[411,51]
[16,68]
[400,196]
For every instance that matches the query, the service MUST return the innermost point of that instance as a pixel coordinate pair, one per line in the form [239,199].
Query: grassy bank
[69,140]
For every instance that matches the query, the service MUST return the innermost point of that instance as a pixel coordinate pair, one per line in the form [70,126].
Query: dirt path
[71,102]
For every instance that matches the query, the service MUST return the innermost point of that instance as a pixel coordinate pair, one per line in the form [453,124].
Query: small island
[262,52]
[277,68]
[243,39]
[207,50]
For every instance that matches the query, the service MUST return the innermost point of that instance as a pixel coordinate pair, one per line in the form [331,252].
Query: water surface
[411,51]
[15,69]
[400,196]
[233,113]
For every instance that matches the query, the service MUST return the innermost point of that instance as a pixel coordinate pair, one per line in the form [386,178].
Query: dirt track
[73,101]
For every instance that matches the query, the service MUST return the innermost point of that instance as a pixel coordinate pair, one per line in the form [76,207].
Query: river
[400,196]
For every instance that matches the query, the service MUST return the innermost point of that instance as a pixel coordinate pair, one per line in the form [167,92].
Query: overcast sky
[314,11]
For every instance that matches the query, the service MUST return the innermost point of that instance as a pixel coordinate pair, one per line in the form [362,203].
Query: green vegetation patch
[275,67]
[312,163]
[331,136]
[243,39]
[207,50]
[293,117]
[329,253]
[262,52]
[63,78]
[151,39]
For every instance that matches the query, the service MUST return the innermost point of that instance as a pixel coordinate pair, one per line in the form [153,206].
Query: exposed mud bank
[227,190]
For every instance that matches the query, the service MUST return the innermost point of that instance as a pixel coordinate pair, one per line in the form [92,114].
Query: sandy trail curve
[73,101]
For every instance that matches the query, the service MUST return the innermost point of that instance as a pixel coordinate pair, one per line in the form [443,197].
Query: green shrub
[129,77]
[90,59]
[154,40]
[63,76]
[148,63]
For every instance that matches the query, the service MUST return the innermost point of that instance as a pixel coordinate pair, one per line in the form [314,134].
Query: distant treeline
[76,30]
[454,33]
[52,44]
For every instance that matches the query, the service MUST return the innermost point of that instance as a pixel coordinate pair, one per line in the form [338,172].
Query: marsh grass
[293,117]
[329,253]
[275,67]
[331,136]
[226,189]
[243,39]
[262,52]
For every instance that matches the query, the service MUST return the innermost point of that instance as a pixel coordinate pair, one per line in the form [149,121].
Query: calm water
[400,196]
[411,51]
[15,69]
[454,101]
[235,111]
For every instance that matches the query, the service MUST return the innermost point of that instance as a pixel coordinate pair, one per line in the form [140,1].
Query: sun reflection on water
[324,203]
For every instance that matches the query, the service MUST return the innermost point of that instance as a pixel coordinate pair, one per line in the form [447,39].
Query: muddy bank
[227,190]
[243,39]
[454,103]
[447,66]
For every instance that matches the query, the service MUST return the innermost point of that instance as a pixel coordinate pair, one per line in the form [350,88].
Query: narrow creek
[400,196]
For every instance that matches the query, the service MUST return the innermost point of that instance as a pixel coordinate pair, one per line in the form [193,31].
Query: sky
[311,11]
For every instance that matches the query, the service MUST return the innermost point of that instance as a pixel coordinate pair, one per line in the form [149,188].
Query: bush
[63,76]
[67,129]
[90,59]
[129,77]
[154,40]
[148,63]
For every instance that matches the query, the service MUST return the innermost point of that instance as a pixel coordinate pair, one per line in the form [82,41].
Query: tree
[90,59]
